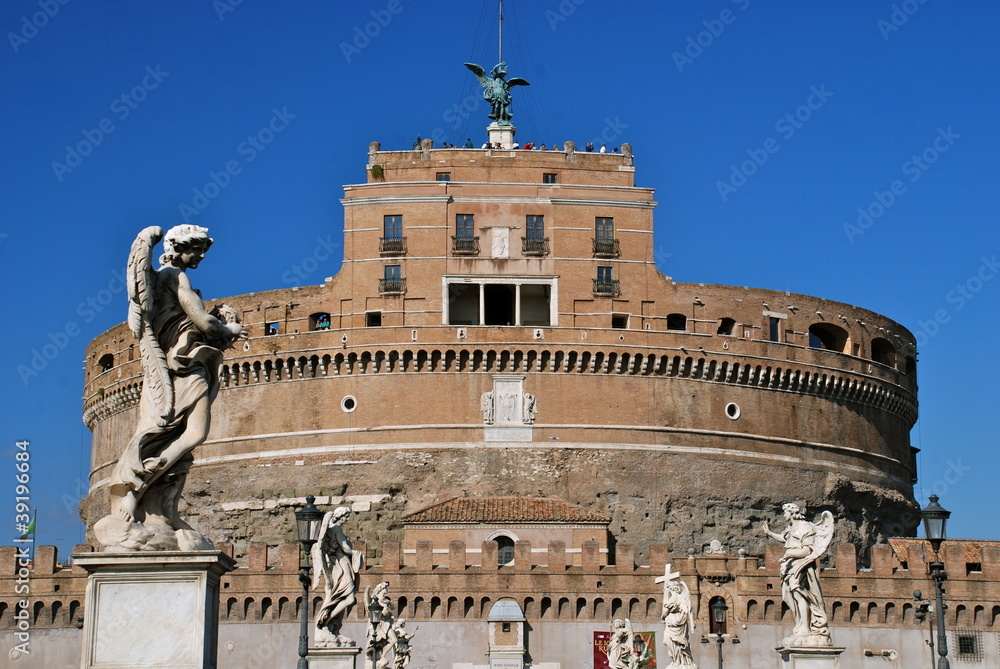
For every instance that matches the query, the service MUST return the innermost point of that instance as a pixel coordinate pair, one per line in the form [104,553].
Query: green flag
[30,529]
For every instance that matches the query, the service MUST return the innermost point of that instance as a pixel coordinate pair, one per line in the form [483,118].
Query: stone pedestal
[152,609]
[810,658]
[343,657]
[501,133]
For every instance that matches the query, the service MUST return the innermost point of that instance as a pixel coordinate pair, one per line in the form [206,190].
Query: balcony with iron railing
[534,247]
[607,248]
[391,286]
[392,246]
[464,246]
[607,287]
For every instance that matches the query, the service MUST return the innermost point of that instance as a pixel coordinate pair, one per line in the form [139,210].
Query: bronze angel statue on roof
[496,90]
[180,344]
[805,543]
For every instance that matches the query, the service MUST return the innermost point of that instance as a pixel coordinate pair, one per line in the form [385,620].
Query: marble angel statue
[180,344]
[335,559]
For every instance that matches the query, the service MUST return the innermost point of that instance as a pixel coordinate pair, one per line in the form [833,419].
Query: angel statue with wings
[180,344]
[805,543]
[678,624]
[620,645]
[496,90]
[335,558]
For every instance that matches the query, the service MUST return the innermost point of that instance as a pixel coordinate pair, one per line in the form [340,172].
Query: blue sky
[116,116]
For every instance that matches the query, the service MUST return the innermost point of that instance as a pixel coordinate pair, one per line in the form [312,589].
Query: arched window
[677,322]
[911,367]
[106,362]
[827,336]
[726,327]
[505,550]
[884,352]
[319,321]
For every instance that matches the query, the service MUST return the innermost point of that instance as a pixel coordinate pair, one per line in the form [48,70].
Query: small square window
[443,176]
[969,645]
[549,178]
[373,319]
[272,329]
[619,321]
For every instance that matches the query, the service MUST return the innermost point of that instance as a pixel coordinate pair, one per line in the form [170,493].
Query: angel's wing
[317,550]
[687,607]
[824,534]
[516,81]
[141,278]
[480,74]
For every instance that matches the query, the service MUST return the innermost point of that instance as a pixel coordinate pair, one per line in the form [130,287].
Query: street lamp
[935,518]
[718,627]
[308,520]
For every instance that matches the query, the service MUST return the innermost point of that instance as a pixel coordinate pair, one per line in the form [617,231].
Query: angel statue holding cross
[678,622]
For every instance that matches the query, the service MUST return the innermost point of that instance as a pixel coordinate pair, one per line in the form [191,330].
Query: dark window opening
[548,178]
[677,322]
[106,362]
[505,550]
[884,352]
[373,319]
[827,336]
[774,332]
[272,329]
[499,304]
[973,568]
[726,327]
[463,304]
[911,367]
[619,321]
[442,176]
[969,646]
[319,321]
[504,627]
[535,301]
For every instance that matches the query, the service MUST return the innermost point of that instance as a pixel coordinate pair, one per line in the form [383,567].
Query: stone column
[152,608]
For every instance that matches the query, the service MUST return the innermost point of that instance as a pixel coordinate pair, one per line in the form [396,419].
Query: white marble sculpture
[619,652]
[486,406]
[678,623]
[401,650]
[382,630]
[805,543]
[180,344]
[336,560]
[529,409]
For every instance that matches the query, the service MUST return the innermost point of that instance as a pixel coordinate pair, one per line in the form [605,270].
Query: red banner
[643,648]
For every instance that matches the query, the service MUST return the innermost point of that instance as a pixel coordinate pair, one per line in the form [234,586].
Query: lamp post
[935,518]
[308,520]
[718,627]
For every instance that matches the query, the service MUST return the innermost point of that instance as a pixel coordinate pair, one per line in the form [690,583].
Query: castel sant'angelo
[518,405]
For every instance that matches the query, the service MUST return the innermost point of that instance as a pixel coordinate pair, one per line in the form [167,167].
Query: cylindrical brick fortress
[499,328]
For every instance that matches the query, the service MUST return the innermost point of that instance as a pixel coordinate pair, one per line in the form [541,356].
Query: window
[319,321]
[619,321]
[678,322]
[969,645]
[442,176]
[465,242]
[373,319]
[392,243]
[392,281]
[272,329]
[605,244]
[106,362]
[604,284]
[465,226]
[884,352]
[726,327]
[505,550]
[549,178]
[535,227]
[392,227]
[534,241]
[829,337]
[774,328]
